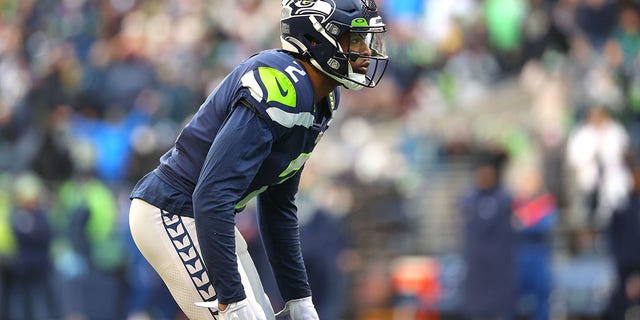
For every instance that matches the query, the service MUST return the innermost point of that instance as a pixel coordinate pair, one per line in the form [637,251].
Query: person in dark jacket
[30,294]
[488,289]
[624,241]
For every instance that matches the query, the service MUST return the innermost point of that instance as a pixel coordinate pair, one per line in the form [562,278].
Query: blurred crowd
[492,174]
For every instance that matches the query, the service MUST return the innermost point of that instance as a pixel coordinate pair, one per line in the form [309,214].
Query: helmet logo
[359,22]
[308,8]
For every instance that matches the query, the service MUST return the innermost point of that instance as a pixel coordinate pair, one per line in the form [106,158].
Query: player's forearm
[283,246]
[217,242]
[281,237]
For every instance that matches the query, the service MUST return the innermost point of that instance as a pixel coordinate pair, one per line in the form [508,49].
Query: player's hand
[299,309]
[242,310]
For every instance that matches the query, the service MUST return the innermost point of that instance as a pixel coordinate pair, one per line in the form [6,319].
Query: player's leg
[166,241]
[159,235]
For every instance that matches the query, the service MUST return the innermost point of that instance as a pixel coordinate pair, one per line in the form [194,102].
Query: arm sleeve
[281,237]
[233,160]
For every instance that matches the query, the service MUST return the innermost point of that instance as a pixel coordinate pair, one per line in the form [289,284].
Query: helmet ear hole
[312,40]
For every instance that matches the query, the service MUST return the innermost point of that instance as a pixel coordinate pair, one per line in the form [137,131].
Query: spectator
[626,37]
[625,42]
[89,250]
[624,239]
[325,257]
[596,150]
[53,161]
[31,295]
[596,19]
[535,213]
[7,246]
[504,20]
[489,243]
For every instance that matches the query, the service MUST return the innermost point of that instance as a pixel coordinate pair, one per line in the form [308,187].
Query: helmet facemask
[366,52]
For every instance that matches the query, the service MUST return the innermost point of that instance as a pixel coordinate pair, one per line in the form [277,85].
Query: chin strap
[350,83]
[357,77]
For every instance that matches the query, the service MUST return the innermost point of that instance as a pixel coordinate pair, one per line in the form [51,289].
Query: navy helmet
[312,29]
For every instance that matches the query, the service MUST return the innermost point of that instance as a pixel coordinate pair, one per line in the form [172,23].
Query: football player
[250,138]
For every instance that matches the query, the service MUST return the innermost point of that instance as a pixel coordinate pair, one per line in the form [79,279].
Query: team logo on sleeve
[279,87]
[276,89]
[283,92]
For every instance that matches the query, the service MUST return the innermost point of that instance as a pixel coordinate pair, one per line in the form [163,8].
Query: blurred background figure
[624,240]
[596,151]
[535,217]
[31,295]
[326,258]
[489,242]
[89,248]
[7,245]
[596,18]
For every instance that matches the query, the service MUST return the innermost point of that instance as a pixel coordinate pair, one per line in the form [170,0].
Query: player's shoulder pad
[277,85]
[271,86]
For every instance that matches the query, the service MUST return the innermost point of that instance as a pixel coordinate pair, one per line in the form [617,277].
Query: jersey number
[294,166]
[291,70]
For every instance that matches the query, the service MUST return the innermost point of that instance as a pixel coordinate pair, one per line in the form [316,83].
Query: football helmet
[313,29]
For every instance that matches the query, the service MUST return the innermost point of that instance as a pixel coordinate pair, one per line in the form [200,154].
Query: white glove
[241,310]
[299,309]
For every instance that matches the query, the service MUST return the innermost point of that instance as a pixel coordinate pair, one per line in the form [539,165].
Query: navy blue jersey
[251,137]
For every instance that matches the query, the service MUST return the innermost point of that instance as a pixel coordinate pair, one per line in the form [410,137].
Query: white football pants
[170,244]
